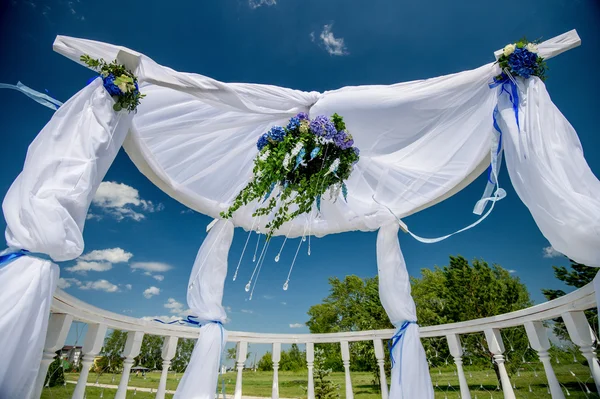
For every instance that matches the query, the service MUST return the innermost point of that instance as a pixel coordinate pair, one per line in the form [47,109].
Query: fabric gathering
[195,138]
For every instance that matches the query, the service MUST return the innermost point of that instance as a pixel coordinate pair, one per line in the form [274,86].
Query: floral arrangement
[121,84]
[522,59]
[296,166]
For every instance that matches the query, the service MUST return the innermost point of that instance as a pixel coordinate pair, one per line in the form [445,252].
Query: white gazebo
[194,137]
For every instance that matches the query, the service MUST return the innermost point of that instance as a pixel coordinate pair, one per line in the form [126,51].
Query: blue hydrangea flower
[357,152]
[110,86]
[318,125]
[343,140]
[330,130]
[262,141]
[303,116]
[523,62]
[294,123]
[277,133]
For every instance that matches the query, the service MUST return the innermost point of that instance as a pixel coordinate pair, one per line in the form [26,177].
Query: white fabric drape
[204,297]
[45,211]
[547,168]
[410,373]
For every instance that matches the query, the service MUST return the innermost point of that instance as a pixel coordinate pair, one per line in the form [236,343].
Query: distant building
[71,354]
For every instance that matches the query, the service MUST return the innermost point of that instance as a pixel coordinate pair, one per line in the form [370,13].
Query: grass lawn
[528,384]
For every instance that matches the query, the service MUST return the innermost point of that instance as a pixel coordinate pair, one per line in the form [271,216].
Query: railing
[66,309]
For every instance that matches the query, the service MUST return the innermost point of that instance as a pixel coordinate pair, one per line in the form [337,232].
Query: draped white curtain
[195,137]
[410,371]
[45,211]
[204,297]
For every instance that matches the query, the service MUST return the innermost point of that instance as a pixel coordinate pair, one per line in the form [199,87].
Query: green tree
[324,387]
[114,344]
[151,352]
[55,376]
[185,347]
[352,305]
[265,363]
[579,276]
[293,359]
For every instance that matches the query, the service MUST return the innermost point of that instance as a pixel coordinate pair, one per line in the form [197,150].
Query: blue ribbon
[6,258]
[398,338]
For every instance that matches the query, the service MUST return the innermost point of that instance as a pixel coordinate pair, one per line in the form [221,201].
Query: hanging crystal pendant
[277,258]
[248,286]
[285,285]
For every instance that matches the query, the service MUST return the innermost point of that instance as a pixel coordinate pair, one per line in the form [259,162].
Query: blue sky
[138,238]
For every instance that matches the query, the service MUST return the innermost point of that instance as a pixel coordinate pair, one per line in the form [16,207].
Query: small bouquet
[522,59]
[296,165]
[121,84]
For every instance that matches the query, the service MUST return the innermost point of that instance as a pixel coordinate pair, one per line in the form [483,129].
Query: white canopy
[420,141]
[195,138]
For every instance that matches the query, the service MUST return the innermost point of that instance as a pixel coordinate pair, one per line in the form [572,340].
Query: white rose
[509,49]
[532,47]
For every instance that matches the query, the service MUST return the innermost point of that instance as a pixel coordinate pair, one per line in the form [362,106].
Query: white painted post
[581,334]
[536,332]
[94,338]
[276,358]
[346,361]
[242,351]
[380,356]
[58,329]
[168,352]
[496,346]
[310,362]
[456,351]
[131,350]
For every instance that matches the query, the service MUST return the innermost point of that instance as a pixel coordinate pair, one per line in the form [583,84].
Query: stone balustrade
[67,309]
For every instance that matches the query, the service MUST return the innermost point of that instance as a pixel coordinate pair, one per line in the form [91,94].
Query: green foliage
[579,276]
[539,70]
[453,293]
[265,363]
[130,96]
[151,352]
[299,187]
[185,347]
[324,387]
[111,361]
[55,376]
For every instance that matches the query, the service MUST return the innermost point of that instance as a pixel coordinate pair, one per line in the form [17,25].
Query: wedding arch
[195,138]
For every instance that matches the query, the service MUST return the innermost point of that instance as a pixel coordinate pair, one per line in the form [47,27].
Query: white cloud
[64,283]
[333,45]
[512,271]
[112,255]
[268,297]
[159,277]
[151,291]
[284,303]
[83,267]
[118,199]
[128,286]
[151,267]
[257,3]
[99,285]
[100,260]
[174,306]
[247,311]
[296,325]
[550,252]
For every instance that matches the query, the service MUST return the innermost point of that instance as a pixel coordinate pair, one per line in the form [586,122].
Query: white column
[242,352]
[581,334]
[310,362]
[94,338]
[168,352]
[496,346]
[456,351]
[538,339]
[276,358]
[346,361]
[131,350]
[380,356]
[58,329]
